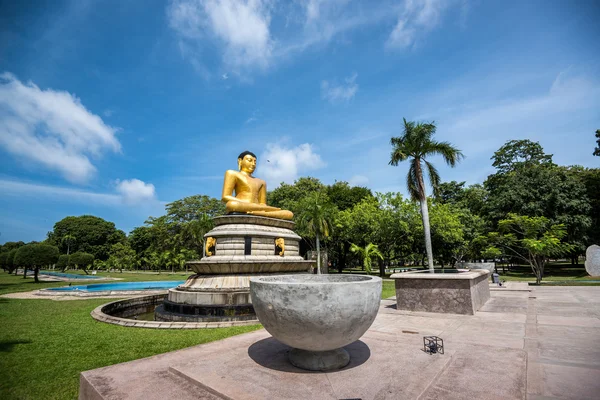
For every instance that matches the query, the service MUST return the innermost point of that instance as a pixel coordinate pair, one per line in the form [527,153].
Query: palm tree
[367,253]
[416,144]
[316,217]
[69,240]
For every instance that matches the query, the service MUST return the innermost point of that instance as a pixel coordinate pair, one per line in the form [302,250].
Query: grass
[388,289]
[560,274]
[45,344]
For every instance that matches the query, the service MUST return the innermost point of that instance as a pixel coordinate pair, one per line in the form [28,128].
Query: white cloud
[335,93]
[52,128]
[24,189]
[129,192]
[417,16]
[135,191]
[281,164]
[240,26]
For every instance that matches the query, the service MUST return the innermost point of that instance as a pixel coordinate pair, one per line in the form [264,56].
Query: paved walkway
[538,344]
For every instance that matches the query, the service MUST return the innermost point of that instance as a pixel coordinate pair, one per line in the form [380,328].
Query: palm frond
[412,182]
[434,176]
[449,153]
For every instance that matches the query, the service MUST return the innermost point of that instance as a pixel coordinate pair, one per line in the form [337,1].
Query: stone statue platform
[238,248]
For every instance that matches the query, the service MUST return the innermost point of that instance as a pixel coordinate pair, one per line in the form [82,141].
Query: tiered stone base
[220,290]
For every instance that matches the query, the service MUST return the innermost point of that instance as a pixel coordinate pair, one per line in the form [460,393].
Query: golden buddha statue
[250,192]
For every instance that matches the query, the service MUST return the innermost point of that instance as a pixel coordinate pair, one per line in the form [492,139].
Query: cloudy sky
[114,108]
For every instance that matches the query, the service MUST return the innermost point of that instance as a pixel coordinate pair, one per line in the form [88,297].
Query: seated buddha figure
[250,193]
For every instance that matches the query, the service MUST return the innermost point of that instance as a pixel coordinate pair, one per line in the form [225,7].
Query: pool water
[70,276]
[120,286]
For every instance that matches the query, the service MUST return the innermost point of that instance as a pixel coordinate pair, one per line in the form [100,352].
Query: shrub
[36,256]
[81,260]
[63,262]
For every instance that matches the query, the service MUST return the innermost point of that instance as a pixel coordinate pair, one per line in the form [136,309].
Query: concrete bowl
[316,314]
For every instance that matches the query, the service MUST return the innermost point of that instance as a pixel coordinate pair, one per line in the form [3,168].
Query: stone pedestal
[456,293]
[243,246]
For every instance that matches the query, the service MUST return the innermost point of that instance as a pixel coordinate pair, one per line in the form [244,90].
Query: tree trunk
[381,268]
[318,255]
[427,232]
[24,272]
[36,272]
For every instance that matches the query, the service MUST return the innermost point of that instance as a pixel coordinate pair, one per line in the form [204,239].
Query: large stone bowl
[316,315]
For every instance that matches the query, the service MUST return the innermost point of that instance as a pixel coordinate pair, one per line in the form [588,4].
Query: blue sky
[114,108]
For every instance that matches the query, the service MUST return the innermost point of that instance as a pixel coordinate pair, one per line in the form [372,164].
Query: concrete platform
[538,344]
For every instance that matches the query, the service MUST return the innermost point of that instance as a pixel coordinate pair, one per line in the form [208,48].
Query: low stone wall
[116,312]
[490,266]
[459,293]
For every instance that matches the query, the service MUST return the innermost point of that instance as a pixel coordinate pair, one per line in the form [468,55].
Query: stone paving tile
[569,321]
[568,382]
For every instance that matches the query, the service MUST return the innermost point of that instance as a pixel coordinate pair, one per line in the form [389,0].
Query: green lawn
[388,289]
[45,344]
[554,274]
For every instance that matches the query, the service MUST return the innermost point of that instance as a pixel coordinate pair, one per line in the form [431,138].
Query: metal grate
[433,345]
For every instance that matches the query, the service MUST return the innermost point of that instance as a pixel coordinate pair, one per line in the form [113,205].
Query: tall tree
[121,256]
[69,240]
[345,196]
[516,154]
[94,235]
[531,239]
[532,185]
[288,196]
[416,144]
[597,149]
[316,219]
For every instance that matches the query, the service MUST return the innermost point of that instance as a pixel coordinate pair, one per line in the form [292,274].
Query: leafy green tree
[194,207]
[122,256]
[288,196]
[344,196]
[94,235]
[597,149]
[8,246]
[447,234]
[516,154]
[538,187]
[530,239]
[367,253]
[10,260]
[395,238]
[194,231]
[316,219]
[63,262]
[449,192]
[3,262]
[82,260]
[35,256]
[416,144]
[591,180]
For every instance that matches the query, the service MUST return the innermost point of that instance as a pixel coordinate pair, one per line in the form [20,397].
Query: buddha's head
[247,162]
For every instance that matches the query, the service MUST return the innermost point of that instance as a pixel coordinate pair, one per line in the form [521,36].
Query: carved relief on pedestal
[279,246]
[211,242]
